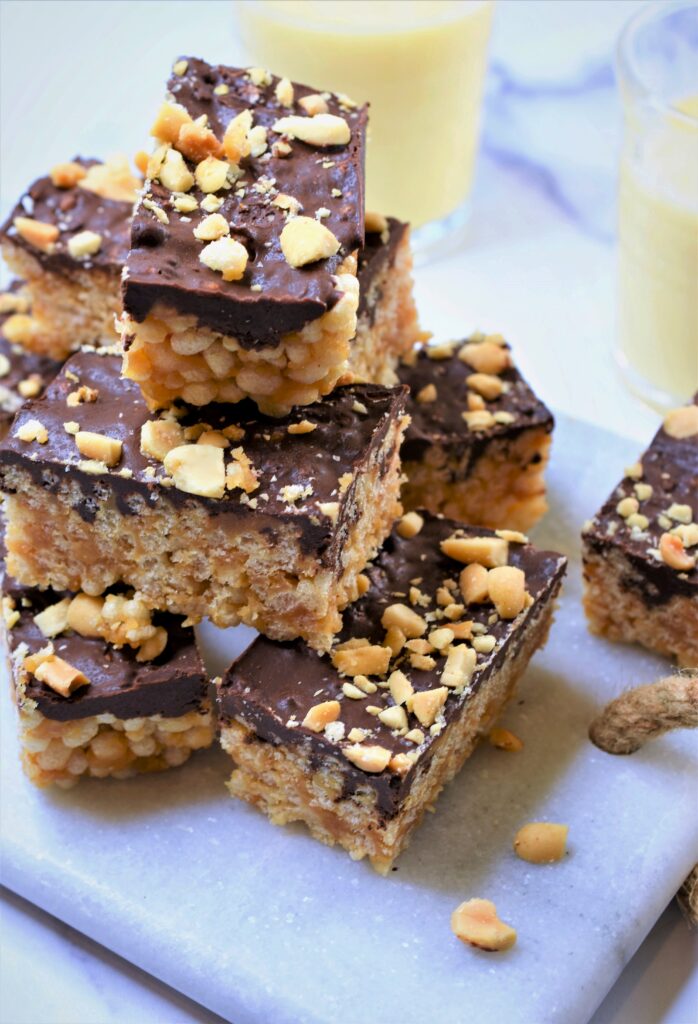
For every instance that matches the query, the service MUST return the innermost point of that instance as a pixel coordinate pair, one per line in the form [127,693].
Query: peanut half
[541,842]
[475,922]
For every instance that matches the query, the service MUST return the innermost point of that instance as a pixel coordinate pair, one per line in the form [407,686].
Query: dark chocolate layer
[271,687]
[171,685]
[73,210]
[670,467]
[351,424]
[164,265]
[21,366]
[376,256]
[440,422]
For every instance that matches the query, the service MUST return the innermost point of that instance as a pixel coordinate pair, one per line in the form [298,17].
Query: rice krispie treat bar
[387,323]
[23,374]
[358,743]
[67,238]
[102,687]
[224,513]
[479,439]
[641,549]
[241,279]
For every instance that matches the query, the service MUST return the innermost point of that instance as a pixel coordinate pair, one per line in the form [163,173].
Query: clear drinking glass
[420,63]
[657,63]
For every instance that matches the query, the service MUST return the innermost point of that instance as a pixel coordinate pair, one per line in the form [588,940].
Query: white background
[538,265]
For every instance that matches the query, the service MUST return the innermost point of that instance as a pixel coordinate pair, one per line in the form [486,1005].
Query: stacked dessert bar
[239,458]
[640,549]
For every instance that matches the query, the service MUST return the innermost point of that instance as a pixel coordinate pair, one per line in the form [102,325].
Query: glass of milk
[657,64]
[420,63]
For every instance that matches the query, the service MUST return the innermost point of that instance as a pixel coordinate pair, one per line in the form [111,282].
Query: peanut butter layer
[73,210]
[280,177]
[298,470]
[651,517]
[445,648]
[170,685]
[463,396]
[23,374]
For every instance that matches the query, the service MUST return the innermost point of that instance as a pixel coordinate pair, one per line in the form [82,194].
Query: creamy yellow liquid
[658,259]
[420,63]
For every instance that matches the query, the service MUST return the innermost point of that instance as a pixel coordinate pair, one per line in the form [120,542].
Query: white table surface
[537,264]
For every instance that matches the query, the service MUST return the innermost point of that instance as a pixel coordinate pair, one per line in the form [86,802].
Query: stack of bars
[237,456]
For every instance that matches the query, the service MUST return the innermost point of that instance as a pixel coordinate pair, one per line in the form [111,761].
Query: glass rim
[626,63]
[412,25]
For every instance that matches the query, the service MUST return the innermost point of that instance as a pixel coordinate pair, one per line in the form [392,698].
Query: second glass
[421,65]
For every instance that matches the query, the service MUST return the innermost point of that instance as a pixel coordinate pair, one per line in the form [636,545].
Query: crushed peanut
[682,422]
[405,619]
[541,842]
[503,739]
[60,675]
[67,175]
[368,759]
[99,446]
[38,234]
[197,469]
[321,715]
[410,525]
[488,551]
[369,660]
[674,554]
[226,256]
[507,590]
[317,130]
[426,704]
[304,240]
[475,922]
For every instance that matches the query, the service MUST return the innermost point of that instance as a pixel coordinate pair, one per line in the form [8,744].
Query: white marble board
[262,924]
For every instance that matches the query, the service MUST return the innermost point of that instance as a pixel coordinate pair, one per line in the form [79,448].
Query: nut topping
[226,256]
[305,240]
[67,175]
[488,551]
[507,588]
[410,525]
[682,422]
[35,232]
[197,469]
[99,446]
[368,759]
[318,130]
[368,660]
[60,675]
[473,584]
[674,554]
[313,104]
[85,243]
[54,618]
[426,704]
[459,668]
[321,715]
[405,619]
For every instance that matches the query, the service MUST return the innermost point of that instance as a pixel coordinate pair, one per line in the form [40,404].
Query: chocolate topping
[164,266]
[670,467]
[441,423]
[377,255]
[73,210]
[351,425]
[171,685]
[23,366]
[271,687]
